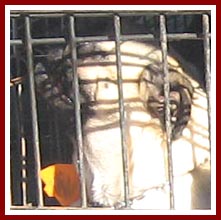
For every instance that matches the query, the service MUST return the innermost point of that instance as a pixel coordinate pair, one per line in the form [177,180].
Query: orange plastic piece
[62,182]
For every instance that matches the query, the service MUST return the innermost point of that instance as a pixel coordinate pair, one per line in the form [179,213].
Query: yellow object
[62,182]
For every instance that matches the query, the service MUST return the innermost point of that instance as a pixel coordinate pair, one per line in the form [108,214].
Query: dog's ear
[180,96]
[50,90]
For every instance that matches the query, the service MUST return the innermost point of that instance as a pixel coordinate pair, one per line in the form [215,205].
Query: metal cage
[33,33]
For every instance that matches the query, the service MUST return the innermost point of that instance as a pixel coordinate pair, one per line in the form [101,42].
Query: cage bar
[57,140]
[16,192]
[76,97]
[206,45]
[170,37]
[33,107]
[94,13]
[121,111]
[23,146]
[18,103]
[163,41]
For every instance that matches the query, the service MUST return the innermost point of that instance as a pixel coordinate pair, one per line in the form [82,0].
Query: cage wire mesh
[37,40]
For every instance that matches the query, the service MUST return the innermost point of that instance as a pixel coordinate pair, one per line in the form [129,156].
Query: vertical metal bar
[59,151]
[163,41]
[207,64]
[50,137]
[36,148]
[20,120]
[15,52]
[23,148]
[62,25]
[75,86]
[15,145]
[121,110]
[47,27]
[17,104]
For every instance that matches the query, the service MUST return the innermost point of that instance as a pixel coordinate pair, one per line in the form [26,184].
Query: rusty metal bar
[15,145]
[207,64]
[28,207]
[35,130]
[122,111]
[75,86]
[93,13]
[170,37]
[58,143]
[163,41]
[22,139]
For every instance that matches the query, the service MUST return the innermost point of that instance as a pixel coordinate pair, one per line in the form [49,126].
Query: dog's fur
[145,130]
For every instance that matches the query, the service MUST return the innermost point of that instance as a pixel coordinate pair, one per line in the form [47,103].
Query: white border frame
[8,8]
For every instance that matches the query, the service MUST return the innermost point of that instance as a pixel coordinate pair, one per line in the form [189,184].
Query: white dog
[144,114]
[145,131]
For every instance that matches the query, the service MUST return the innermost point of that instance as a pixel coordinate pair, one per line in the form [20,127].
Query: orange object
[62,182]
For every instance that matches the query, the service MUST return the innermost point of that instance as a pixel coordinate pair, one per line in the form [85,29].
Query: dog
[145,130]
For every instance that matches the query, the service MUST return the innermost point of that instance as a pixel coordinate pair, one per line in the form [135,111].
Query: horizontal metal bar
[184,36]
[16,42]
[29,207]
[165,12]
[62,14]
[170,37]
[59,40]
[90,13]
[40,15]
